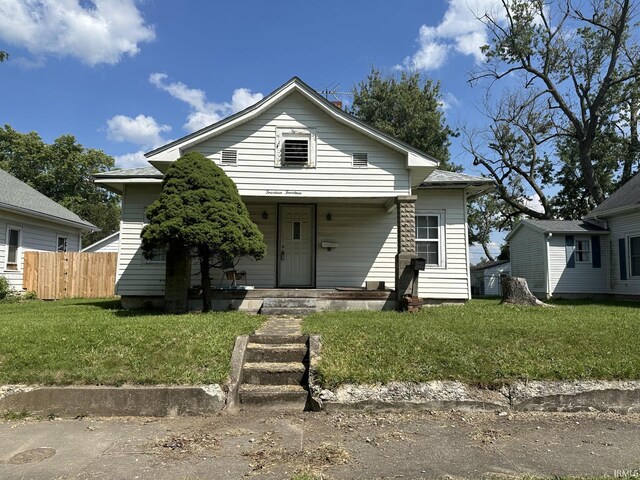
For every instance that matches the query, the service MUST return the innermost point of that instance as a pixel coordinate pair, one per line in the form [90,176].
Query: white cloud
[142,130]
[204,112]
[459,31]
[131,160]
[101,32]
[449,100]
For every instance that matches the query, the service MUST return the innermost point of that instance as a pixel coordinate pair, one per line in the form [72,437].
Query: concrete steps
[288,306]
[275,373]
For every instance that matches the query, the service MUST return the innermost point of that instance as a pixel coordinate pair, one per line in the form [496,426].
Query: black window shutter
[569,243]
[595,251]
[622,252]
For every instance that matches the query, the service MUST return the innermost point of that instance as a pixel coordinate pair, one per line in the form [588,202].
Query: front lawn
[94,342]
[480,343]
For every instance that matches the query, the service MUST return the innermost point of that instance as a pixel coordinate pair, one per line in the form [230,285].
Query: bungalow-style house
[344,208]
[30,220]
[486,277]
[108,244]
[560,258]
[596,257]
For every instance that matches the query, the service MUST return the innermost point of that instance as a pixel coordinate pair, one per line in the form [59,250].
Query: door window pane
[296,235]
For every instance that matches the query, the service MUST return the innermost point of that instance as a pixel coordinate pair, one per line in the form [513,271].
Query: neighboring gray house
[599,256]
[485,278]
[30,220]
[108,244]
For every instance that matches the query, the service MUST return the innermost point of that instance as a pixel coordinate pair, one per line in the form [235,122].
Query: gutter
[85,226]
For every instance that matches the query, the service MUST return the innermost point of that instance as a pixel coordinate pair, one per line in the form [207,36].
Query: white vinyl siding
[258,174]
[527,253]
[106,245]
[35,235]
[135,276]
[451,281]
[367,244]
[582,278]
[623,227]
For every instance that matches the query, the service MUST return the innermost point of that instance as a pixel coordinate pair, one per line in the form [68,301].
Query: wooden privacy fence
[55,275]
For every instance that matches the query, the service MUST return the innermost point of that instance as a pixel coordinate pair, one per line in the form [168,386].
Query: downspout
[466,245]
[547,263]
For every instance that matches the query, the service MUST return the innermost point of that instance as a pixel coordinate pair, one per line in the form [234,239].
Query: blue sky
[125,76]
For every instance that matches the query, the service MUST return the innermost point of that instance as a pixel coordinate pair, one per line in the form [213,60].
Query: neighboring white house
[30,220]
[485,278]
[341,205]
[599,256]
[108,244]
[620,214]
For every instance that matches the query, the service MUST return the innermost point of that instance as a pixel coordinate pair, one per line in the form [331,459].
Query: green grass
[481,342]
[94,342]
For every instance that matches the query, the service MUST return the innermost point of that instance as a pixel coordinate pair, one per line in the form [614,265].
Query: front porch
[259,300]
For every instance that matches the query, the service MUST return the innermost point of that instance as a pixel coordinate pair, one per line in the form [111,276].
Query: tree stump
[515,291]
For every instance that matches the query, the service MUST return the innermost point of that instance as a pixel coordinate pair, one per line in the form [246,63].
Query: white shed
[485,278]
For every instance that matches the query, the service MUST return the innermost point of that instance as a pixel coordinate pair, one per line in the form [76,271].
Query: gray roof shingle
[442,177]
[147,172]
[627,195]
[17,196]
[564,226]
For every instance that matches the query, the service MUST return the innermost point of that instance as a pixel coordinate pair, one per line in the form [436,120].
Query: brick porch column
[406,209]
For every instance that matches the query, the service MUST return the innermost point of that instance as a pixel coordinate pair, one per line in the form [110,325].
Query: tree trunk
[177,280]
[588,172]
[487,252]
[205,279]
[515,291]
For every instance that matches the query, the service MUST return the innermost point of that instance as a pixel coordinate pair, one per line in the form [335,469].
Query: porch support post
[406,211]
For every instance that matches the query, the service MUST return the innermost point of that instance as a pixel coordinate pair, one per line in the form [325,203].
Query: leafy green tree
[575,57]
[409,109]
[200,211]
[63,171]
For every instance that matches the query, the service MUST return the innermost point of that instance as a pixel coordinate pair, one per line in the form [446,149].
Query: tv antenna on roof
[333,89]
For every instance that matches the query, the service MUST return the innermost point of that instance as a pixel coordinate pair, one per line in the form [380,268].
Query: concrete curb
[539,396]
[235,372]
[156,401]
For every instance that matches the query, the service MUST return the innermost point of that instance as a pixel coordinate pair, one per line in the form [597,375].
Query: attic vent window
[296,152]
[229,157]
[360,159]
[295,147]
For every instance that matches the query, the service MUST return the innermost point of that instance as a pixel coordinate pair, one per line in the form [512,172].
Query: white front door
[296,233]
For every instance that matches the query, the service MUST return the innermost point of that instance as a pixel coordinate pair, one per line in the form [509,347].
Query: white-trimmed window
[158,255]
[61,243]
[360,159]
[14,241]
[634,256]
[583,250]
[295,147]
[430,238]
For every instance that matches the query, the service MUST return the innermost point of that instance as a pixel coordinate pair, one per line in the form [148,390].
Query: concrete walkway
[279,325]
[338,446]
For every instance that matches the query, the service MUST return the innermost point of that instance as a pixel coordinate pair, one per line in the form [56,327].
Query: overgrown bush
[5,288]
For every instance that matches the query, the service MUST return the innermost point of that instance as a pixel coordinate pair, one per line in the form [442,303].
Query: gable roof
[625,198]
[17,196]
[415,158]
[114,237]
[559,226]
